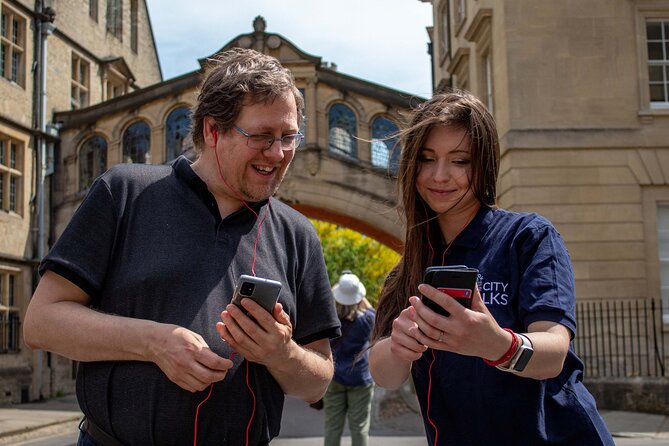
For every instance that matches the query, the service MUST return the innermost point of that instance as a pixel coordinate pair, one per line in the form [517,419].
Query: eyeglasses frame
[271,139]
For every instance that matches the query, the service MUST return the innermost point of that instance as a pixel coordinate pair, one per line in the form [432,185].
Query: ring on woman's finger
[441,337]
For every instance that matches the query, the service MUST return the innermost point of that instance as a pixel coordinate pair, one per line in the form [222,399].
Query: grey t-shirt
[148,242]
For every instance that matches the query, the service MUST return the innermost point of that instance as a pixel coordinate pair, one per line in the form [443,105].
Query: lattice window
[137,143]
[11,156]
[12,45]
[93,9]
[177,127]
[79,97]
[657,40]
[385,144]
[115,17]
[92,160]
[134,25]
[9,310]
[343,125]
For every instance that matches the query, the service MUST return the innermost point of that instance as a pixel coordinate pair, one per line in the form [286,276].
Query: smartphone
[264,292]
[457,281]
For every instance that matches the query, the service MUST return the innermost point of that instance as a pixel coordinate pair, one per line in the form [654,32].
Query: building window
[460,12]
[92,160]
[342,132]
[9,310]
[445,31]
[177,127]
[385,144]
[10,174]
[134,25]
[657,40]
[663,252]
[93,9]
[137,143]
[303,125]
[115,17]
[12,45]
[487,80]
[80,81]
[115,86]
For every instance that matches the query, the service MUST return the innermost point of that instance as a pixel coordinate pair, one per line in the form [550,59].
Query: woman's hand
[403,341]
[467,332]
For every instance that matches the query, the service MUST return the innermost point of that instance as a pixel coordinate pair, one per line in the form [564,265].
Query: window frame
[96,169]
[93,10]
[114,18]
[647,12]
[13,40]
[79,86]
[134,26]
[128,154]
[392,153]
[10,312]
[183,119]
[664,42]
[11,174]
[334,149]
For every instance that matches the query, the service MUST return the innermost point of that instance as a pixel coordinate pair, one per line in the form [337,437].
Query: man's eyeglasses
[264,141]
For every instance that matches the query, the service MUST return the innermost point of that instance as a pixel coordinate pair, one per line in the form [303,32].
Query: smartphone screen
[458,281]
[264,292]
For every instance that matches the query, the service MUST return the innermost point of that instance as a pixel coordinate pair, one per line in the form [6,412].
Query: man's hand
[301,371]
[265,340]
[186,358]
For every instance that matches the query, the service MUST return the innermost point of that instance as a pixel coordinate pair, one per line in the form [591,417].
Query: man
[138,286]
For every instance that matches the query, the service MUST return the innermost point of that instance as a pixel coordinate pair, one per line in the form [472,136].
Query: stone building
[55,56]
[580,93]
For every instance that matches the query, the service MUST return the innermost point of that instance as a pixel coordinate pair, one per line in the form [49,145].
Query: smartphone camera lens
[247,289]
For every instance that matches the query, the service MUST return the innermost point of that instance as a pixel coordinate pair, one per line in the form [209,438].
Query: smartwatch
[522,356]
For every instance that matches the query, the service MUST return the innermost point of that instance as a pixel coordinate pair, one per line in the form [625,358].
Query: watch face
[525,355]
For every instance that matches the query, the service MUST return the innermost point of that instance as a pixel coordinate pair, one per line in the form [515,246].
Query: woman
[352,387]
[503,372]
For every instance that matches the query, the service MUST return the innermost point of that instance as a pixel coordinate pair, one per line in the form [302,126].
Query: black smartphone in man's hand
[265,292]
[457,281]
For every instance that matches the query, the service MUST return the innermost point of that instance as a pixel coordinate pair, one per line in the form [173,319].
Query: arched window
[92,160]
[137,143]
[176,129]
[343,130]
[385,144]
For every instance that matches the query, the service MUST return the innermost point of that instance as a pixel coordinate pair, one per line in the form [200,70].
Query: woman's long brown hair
[458,109]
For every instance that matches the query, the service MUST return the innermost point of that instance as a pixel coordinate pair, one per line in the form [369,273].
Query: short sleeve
[317,318]
[82,252]
[547,283]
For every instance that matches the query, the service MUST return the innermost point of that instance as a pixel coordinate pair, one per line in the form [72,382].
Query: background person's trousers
[356,401]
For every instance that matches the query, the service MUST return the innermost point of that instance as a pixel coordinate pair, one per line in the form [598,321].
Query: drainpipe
[45,19]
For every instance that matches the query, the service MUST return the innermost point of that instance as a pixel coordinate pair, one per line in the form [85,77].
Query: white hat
[349,290]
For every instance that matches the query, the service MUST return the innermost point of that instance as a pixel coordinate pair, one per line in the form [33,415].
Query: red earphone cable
[253,262]
[434,357]
[211,388]
[269,203]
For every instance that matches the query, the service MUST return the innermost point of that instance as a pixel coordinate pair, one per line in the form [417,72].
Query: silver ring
[441,337]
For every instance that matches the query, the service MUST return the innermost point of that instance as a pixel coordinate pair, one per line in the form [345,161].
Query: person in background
[351,390]
[138,287]
[503,372]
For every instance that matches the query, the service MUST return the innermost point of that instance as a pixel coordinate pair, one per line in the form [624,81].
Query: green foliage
[344,249]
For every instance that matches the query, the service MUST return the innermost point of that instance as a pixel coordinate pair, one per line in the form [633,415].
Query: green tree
[345,249]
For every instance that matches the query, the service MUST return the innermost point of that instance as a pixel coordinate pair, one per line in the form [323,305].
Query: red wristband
[509,353]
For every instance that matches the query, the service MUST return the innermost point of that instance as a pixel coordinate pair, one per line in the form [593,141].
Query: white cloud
[382,41]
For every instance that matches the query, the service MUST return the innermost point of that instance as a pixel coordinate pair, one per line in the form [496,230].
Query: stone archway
[346,192]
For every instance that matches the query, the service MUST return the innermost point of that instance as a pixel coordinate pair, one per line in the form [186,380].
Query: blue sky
[382,41]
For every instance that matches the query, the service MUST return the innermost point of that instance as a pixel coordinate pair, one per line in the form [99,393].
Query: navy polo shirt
[525,275]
